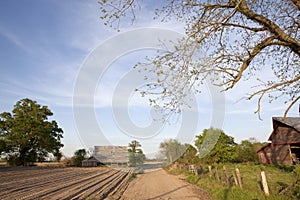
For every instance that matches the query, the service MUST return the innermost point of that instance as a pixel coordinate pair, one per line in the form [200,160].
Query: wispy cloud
[12,37]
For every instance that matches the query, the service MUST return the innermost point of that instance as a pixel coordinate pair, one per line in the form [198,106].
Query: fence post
[217,174]
[225,175]
[238,174]
[210,172]
[264,183]
[196,170]
[192,169]
[235,178]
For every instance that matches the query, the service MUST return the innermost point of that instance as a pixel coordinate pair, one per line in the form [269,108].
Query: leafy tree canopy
[136,155]
[26,134]
[247,150]
[189,156]
[134,146]
[239,38]
[224,150]
[172,149]
[79,156]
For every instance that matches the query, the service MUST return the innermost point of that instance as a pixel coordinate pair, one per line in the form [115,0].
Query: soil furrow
[102,194]
[32,186]
[47,193]
[77,191]
[62,183]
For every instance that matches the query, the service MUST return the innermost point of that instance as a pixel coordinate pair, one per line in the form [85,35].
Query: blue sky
[44,45]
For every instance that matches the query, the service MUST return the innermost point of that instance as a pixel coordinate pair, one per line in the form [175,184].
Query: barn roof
[111,154]
[293,122]
[92,158]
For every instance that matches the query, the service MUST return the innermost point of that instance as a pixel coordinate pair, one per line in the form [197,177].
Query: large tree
[247,150]
[224,148]
[172,149]
[189,156]
[239,38]
[26,134]
[79,156]
[135,153]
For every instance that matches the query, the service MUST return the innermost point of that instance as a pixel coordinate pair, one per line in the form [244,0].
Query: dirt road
[159,184]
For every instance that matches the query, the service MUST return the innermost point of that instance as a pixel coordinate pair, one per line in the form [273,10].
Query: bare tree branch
[257,49]
[239,37]
[290,106]
[296,3]
[272,27]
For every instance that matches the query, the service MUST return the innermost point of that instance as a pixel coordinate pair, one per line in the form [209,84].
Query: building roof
[92,158]
[293,122]
[111,154]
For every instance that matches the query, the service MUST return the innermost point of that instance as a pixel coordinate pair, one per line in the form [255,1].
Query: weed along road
[158,184]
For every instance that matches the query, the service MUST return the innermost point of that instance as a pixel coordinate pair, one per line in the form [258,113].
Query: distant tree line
[223,149]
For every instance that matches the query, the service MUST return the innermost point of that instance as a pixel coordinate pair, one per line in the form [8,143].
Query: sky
[51,52]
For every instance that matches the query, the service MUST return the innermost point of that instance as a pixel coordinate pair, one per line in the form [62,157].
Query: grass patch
[278,177]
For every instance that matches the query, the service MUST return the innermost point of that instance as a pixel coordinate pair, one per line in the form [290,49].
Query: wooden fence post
[264,183]
[235,178]
[210,172]
[217,174]
[192,169]
[238,174]
[196,170]
[225,175]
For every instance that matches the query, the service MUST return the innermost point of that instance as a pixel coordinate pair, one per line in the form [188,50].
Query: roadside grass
[278,178]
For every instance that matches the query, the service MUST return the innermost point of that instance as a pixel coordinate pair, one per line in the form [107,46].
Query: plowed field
[62,183]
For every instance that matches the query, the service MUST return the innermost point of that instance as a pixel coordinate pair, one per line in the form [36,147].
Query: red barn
[284,146]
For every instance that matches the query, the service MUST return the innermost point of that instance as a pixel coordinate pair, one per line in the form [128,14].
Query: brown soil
[161,185]
[94,183]
[62,183]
